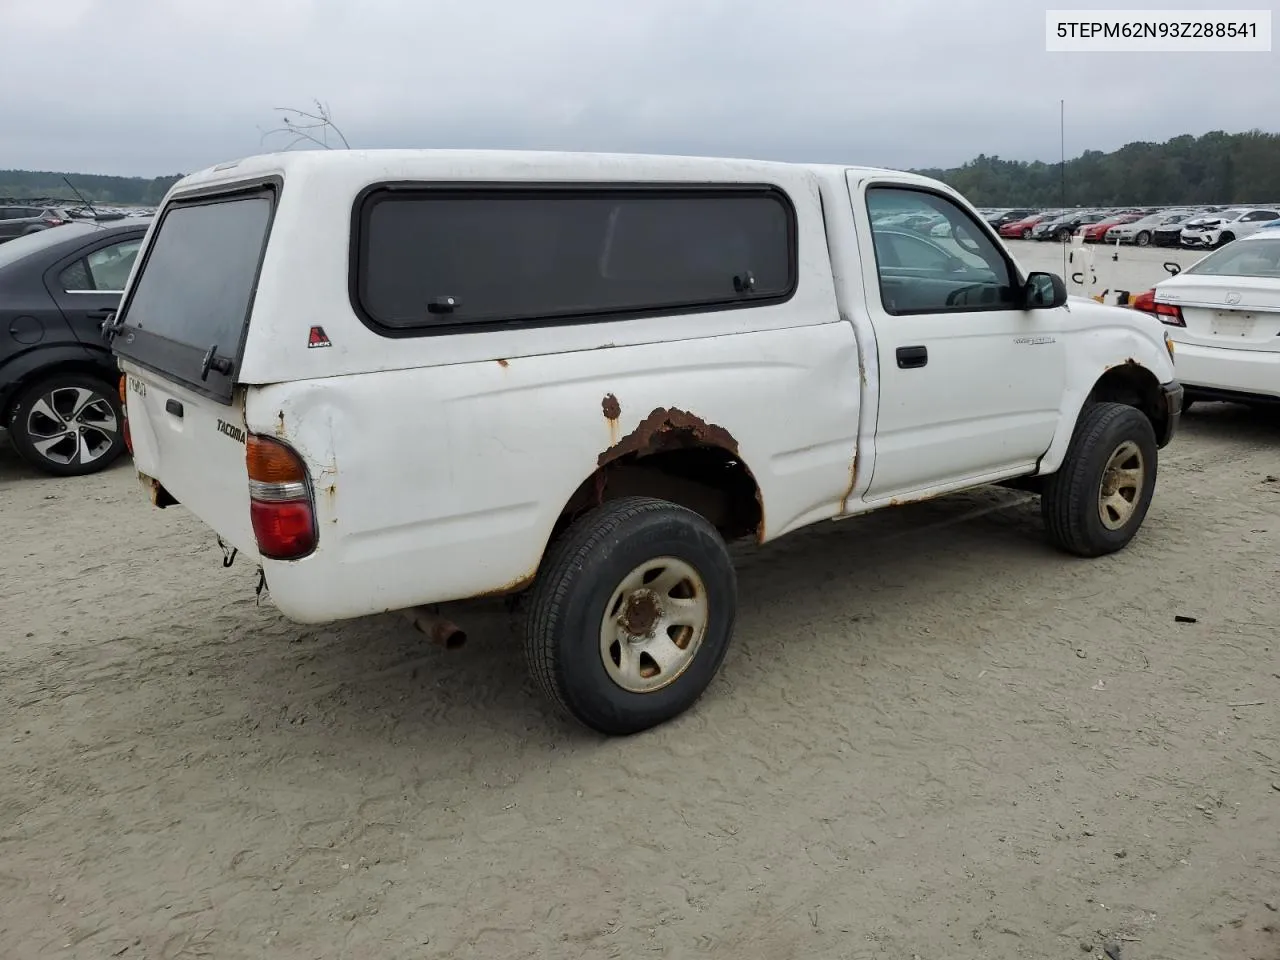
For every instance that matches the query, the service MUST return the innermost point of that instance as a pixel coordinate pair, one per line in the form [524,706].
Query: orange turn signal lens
[270,461]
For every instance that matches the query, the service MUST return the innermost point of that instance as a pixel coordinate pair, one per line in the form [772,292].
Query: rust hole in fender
[668,428]
[503,364]
[611,407]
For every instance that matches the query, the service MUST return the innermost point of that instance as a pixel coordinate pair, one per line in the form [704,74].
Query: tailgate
[195,449]
[180,340]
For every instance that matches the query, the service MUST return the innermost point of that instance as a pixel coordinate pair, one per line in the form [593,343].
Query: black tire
[1143,238]
[96,438]
[1026,234]
[1225,238]
[581,575]
[1063,235]
[1072,505]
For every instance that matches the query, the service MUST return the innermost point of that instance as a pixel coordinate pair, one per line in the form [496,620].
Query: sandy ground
[933,737]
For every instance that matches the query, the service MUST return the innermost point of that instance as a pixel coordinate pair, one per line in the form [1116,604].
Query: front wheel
[1143,238]
[68,425]
[1026,234]
[1224,239]
[632,614]
[1096,501]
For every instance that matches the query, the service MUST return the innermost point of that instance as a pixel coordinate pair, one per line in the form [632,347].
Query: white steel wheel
[1120,491]
[653,625]
[631,614]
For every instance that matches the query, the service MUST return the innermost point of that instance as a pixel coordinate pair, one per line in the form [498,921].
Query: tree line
[1218,167]
[127,191]
[1215,168]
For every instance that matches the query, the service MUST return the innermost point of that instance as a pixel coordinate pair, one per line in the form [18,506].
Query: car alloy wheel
[68,425]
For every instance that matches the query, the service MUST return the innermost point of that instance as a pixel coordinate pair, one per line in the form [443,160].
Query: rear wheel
[632,614]
[68,425]
[1026,234]
[1143,238]
[1063,235]
[1097,500]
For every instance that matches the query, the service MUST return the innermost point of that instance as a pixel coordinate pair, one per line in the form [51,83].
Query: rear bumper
[1228,372]
[1172,392]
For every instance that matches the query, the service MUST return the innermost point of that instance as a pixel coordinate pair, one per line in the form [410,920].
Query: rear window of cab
[430,259]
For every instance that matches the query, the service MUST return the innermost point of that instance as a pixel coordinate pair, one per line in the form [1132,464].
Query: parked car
[1142,230]
[1022,229]
[1223,313]
[1062,228]
[19,220]
[998,220]
[1170,234]
[1097,232]
[662,370]
[1221,228]
[59,393]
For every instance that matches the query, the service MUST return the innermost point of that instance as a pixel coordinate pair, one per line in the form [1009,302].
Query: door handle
[173,407]
[911,357]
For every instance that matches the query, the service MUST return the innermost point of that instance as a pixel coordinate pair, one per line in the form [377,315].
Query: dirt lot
[933,737]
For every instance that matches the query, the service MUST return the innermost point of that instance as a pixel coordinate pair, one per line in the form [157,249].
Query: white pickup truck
[398,378]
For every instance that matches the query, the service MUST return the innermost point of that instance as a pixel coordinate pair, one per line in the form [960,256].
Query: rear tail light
[1166,313]
[280,501]
[53,221]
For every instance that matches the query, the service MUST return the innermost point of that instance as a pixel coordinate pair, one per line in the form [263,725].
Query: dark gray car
[59,384]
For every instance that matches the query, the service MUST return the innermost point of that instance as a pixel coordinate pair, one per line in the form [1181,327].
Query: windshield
[22,247]
[1250,258]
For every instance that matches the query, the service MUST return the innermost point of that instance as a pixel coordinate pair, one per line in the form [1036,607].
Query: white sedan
[1223,316]
[1221,228]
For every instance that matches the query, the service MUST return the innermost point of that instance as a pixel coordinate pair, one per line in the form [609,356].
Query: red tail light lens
[1166,313]
[280,503]
[285,531]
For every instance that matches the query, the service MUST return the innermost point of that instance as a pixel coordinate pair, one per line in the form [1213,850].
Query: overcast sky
[151,87]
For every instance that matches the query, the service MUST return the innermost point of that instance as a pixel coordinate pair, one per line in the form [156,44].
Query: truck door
[970,382]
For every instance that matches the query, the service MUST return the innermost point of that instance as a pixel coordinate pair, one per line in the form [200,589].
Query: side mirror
[1044,291]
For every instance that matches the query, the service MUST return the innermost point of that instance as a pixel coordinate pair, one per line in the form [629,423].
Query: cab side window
[932,257]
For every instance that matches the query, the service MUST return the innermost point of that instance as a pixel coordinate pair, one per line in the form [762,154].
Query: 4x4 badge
[318,338]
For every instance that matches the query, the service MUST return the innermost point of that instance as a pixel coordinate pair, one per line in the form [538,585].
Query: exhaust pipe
[443,633]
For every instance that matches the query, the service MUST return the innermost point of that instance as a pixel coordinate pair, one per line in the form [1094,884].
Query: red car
[1097,232]
[1021,229]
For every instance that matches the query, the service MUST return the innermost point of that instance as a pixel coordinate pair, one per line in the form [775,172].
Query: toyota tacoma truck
[394,379]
